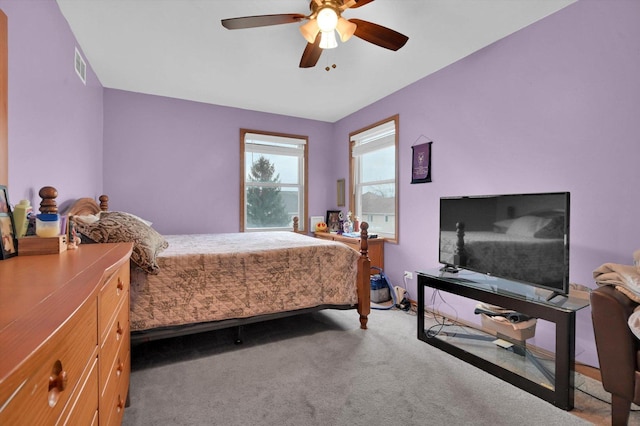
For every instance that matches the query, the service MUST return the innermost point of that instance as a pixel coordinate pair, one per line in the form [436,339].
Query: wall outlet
[408,275]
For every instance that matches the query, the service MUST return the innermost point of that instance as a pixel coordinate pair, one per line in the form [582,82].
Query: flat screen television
[519,237]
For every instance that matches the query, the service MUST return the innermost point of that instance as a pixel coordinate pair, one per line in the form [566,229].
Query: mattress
[213,277]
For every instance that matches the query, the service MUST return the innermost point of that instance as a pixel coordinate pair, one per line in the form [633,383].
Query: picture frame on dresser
[4,200]
[8,240]
[333,220]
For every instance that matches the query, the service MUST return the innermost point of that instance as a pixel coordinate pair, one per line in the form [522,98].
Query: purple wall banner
[421,163]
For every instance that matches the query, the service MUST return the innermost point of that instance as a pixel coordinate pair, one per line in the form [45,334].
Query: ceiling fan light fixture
[327,19]
[328,40]
[345,29]
[310,30]
[319,27]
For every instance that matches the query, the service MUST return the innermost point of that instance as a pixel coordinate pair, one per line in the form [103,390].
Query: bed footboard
[364,273]
[364,277]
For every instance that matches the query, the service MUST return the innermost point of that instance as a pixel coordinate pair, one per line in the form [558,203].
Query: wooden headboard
[87,206]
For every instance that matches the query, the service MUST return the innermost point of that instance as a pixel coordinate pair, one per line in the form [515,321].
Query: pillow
[146,222]
[91,218]
[88,218]
[527,226]
[115,227]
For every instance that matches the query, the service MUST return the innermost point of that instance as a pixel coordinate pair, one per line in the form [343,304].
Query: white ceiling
[179,49]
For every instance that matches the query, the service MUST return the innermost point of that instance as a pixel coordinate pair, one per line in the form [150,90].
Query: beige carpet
[321,369]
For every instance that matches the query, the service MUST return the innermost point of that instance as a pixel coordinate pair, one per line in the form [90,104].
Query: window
[273,191]
[374,171]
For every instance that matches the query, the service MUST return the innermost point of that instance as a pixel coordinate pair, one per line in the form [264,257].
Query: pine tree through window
[274,181]
[265,204]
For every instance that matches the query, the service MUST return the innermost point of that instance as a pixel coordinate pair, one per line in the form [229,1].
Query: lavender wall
[177,162]
[55,121]
[553,107]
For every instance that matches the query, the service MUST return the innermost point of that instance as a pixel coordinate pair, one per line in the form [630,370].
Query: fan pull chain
[328,59]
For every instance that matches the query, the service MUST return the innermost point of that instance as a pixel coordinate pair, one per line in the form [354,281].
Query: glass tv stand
[505,356]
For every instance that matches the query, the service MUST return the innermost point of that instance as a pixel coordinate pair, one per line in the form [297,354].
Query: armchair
[618,350]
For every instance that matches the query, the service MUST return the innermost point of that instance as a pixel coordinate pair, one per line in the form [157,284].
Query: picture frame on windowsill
[8,240]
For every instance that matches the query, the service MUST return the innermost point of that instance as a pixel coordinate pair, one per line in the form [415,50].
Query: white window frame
[258,142]
[382,134]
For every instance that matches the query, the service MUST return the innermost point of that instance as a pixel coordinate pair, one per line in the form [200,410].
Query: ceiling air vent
[81,67]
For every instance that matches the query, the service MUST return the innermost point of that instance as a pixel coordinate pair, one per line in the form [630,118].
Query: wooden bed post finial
[104,202]
[296,224]
[364,239]
[48,203]
[364,277]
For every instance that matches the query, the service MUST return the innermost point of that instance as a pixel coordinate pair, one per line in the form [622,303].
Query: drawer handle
[57,383]
[120,368]
[119,331]
[119,287]
[58,378]
[120,405]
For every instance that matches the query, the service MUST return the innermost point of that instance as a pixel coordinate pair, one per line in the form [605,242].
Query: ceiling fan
[323,22]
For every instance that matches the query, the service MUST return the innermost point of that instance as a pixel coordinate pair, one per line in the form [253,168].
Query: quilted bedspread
[223,276]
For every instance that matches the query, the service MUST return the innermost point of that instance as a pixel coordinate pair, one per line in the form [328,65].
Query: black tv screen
[520,237]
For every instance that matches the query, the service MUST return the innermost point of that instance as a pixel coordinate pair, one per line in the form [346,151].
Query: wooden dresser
[64,337]
[376,246]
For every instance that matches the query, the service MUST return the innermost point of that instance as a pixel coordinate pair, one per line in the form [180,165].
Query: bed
[184,284]
[514,248]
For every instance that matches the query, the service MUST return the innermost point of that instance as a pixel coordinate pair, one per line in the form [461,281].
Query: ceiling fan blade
[261,20]
[379,35]
[359,3]
[311,54]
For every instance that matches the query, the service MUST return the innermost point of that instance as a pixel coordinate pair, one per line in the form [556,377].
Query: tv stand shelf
[557,383]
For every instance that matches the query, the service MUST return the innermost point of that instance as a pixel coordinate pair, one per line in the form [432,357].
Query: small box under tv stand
[478,348]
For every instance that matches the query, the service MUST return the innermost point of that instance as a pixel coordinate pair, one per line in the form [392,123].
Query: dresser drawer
[112,404]
[113,293]
[117,338]
[113,373]
[84,409]
[52,375]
